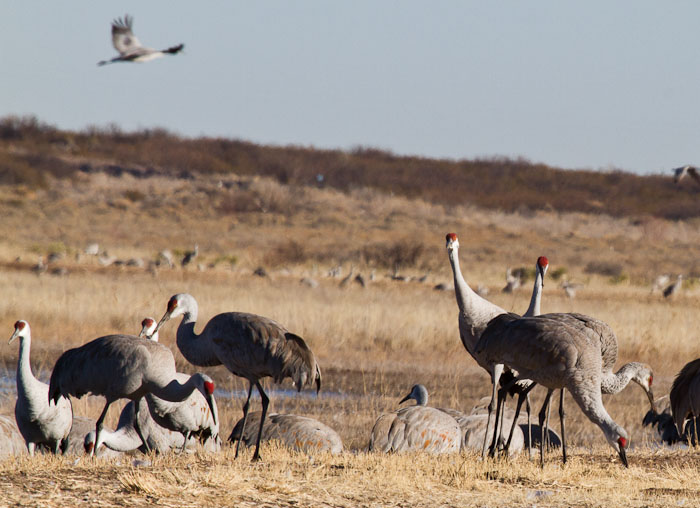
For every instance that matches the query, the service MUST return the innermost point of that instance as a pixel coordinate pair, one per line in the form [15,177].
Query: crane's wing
[123,38]
[693,172]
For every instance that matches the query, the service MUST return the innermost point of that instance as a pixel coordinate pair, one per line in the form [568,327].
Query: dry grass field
[372,343]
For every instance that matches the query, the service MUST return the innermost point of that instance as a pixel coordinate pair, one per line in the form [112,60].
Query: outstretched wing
[123,38]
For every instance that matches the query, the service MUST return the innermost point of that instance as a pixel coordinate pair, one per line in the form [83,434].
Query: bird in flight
[680,173]
[130,48]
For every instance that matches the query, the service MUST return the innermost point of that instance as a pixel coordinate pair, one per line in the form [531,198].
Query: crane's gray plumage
[416,428]
[552,352]
[123,366]
[685,394]
[192,416]
[300,433]
[41,422]
[126,438]
[130,48]
[249,346]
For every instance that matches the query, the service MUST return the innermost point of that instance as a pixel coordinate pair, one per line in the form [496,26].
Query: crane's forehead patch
[19,325]
[451,237]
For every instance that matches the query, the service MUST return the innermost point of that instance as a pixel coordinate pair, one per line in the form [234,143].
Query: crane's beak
[165,317]
[650,395]
[14,336]
[623,456]
[212,408]
[405,399]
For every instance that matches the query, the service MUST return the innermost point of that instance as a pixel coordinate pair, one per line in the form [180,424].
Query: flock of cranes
[168,409]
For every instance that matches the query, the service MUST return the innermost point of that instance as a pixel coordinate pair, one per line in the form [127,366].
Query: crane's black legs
[98,428]
[543,429]
[265,402]
[561,419]
[246,406]
[137,425]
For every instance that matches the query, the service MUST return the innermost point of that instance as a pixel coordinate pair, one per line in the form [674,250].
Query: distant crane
[674,288]
[512,281]
[189,256]
[416,428]
[297,432]
[250,346]
[682,172]
[130,48]
[123,366]
[40,421]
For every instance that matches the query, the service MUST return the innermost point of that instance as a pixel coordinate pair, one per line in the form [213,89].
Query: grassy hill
[29,150]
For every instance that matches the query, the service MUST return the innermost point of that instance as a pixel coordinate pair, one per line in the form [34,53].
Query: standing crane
[123,366]
[551,352]
[416,428]
[300,433]
[130,48]
[40,421]
[249,346]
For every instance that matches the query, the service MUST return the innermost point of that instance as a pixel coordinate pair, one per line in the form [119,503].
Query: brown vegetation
[372,343]
[498,183]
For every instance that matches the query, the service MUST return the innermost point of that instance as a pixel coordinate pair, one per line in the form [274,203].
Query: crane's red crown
[209,387]
[451,237]
[542,261]
[172,304]
[147,322]
[622,442]
[651,379]
[19,325]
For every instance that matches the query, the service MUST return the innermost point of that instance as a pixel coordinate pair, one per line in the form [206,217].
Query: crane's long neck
[534,309]
[476,311]
[25,378]
[195,348]
[174,391]
[614,383]
[124,439]
[588,397]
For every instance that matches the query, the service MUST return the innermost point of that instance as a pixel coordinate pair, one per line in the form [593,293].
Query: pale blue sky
[593,84]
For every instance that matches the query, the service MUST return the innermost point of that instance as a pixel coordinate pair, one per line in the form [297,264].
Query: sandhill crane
[297,432]
[475,312]
[685,396]
[148,329]
[512,282]
[189,256]
[551,352]
[534,309]
[570,288]
[346,280]
[359,279]
[92,249]
[444,286]
[165,255]
[81,427]
[192,416]
[660,282]
[249,346]
[308,282]
[662,419]
[682,172]
[416,428]
[39,420]
[126,438]
[123,366]
[130,48]
[674,288]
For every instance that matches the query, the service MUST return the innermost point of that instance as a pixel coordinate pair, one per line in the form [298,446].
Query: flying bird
[130,48]
[682,172]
